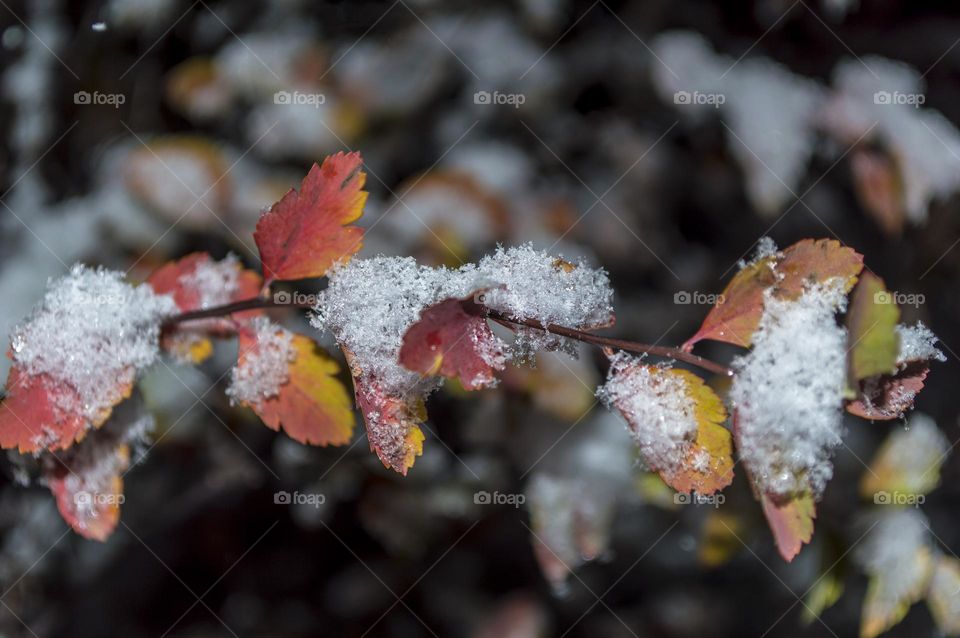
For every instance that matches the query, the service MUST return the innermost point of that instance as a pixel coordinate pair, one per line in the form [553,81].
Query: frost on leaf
[897,557]
[872,325]
[76,356]
[908,462]
[291,382]
[197,282]
[788,396]
[393,420]
[788,392]
[87,480]
[454,343]
[370,305]
[306,233]
[675,419]
[943,597]
[889,396]
[786,274]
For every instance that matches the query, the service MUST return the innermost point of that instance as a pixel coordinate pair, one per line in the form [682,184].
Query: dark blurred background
[135,131]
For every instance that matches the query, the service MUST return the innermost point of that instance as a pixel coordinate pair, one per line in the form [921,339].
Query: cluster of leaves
[679,421]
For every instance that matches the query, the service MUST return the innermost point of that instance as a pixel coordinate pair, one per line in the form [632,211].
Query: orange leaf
[815,261]
[31,419]
[313,407]
[737,314]
[449,341]
[305,233]
[791,522]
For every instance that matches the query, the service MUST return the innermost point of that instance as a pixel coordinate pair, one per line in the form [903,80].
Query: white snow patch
[93,332]
[918,343]
[788,391]
[260,373]
[371,303]
[658,409]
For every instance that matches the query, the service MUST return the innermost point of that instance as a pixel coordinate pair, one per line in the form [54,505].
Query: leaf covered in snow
[676,421]
[786,274]
[898,559]
[77,356]
[307,232]
[889,396]
[908,462]
[291,382]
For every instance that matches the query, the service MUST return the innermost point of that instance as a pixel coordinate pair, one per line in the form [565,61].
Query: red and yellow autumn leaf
[449,341]
[313,407]
[708,465]
[306,232]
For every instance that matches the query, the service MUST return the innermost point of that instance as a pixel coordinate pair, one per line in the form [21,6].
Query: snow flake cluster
[93,332]
[371,303]
[260,372]
[918,343]
[215,281]
[658,409]
[788,391]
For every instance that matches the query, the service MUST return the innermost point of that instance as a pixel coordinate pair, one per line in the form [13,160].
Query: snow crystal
[215,281]
[658,409]
[370,303]
[93,332]
[896,552]
[788,391]
[261,371]
[918,343]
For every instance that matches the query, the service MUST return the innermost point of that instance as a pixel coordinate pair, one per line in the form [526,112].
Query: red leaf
[89,489]
[179,280]
[313,407]
[31,419]
[449,341]
[888,397]
[305,233]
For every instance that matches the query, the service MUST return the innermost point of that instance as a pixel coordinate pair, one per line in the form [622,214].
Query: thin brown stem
[666,352]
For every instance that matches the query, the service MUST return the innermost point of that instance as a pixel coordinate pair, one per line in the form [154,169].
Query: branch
[666,352]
